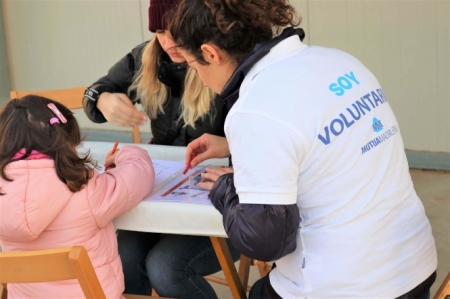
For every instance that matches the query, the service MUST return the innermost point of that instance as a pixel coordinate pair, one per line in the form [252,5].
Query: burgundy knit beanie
[156,12]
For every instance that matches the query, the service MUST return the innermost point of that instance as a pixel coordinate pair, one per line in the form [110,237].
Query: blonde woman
[180,110]
[155,74]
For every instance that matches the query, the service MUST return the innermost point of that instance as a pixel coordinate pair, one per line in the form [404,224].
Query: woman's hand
[207,146]
[118,109]
[212,174]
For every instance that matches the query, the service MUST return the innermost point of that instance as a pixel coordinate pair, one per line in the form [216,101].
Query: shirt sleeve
[266,157]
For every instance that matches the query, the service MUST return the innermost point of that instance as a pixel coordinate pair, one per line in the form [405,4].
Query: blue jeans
[133,250]
[174,266]
[256,292]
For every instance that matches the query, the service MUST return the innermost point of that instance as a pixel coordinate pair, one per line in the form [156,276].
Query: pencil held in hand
[189,164]
[110,153]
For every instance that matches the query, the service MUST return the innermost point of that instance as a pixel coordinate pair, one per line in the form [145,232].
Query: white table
[176,217]
[166,217]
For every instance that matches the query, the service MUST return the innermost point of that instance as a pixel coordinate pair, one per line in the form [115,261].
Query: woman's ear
[212,54]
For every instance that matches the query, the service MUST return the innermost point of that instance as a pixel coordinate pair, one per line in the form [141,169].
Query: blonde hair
[197,99]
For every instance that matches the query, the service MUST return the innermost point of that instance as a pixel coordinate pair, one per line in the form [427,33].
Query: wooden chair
[53,265]
[444,290]
[71,98]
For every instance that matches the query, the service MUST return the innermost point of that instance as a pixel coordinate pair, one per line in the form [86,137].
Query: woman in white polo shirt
[321,183]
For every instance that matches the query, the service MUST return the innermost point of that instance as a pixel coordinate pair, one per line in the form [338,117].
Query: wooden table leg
[228,268]
[244,270]
[3,291]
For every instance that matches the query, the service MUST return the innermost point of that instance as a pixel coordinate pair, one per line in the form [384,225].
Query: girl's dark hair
[235,26]
[25,124]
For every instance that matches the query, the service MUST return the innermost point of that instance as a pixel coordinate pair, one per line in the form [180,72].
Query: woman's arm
[262,232]
[107,100]
[259,202]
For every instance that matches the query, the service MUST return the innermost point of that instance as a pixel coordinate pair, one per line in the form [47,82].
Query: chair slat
[36,266]
[51,265]
[70,97]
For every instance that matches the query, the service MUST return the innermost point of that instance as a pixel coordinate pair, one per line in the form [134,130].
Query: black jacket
[262,232]
[165,127]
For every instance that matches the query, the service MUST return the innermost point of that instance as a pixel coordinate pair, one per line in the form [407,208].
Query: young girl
[51,197]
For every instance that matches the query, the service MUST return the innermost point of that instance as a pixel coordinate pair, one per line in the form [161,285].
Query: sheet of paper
[172,185]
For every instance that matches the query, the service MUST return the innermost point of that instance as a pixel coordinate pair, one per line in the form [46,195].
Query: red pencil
[110,153]
[189,164]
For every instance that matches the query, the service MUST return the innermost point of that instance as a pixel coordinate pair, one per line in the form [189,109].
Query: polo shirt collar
[230,92]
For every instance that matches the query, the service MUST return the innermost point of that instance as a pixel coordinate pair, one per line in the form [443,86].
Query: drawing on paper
[160,168]
[172,185]
[195,180]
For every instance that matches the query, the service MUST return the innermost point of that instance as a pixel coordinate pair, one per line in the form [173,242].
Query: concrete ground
[433,187]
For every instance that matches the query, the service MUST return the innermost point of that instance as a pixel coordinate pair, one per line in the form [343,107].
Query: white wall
[59,44]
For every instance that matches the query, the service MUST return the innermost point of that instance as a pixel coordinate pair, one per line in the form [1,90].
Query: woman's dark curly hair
[235,26]
[25,124]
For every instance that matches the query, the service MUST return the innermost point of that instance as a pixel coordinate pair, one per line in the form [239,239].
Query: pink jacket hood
[30,212]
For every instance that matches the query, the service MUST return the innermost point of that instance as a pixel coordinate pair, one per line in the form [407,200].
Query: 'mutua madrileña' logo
[377,125]
[379,139]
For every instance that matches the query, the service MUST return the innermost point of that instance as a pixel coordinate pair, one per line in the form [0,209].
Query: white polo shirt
[312,126]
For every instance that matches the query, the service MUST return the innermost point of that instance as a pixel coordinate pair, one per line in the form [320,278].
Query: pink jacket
[40,212]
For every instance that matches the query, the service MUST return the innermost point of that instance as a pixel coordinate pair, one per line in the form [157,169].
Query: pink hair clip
[58,113]
[54,120]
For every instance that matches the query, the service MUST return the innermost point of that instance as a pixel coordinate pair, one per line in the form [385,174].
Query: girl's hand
[118,109]
[207,146]
[110,159]
[213,174]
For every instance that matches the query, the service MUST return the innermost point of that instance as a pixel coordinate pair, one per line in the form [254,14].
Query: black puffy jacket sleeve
[118,79]
[259,231]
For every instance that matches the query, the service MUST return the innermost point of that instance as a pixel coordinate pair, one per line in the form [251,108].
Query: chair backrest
[51,265]
[72,98]
[444,290]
